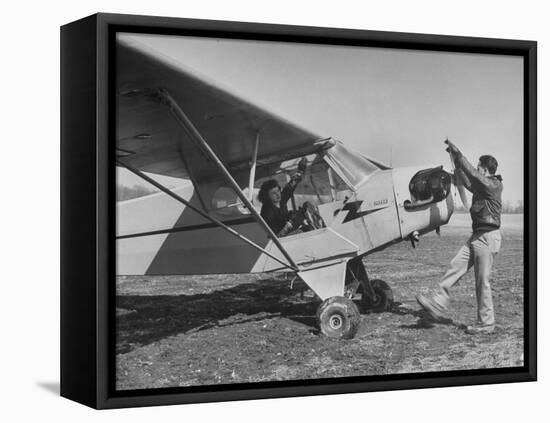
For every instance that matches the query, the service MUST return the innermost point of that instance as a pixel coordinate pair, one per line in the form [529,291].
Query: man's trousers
[479,252]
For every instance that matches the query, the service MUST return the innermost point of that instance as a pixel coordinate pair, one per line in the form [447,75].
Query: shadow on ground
[145,319]
[51,387]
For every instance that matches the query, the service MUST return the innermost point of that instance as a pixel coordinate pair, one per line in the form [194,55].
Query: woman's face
[274,195]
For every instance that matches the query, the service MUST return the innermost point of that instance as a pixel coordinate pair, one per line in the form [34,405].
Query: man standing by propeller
[481,247]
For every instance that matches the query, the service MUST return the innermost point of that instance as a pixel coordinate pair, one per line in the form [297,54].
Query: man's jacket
[487,195]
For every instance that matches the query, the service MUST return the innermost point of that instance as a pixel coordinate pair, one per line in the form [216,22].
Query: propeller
[457,180]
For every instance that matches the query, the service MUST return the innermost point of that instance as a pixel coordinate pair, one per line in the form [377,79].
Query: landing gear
[376,295]
[378,298]
[338,317]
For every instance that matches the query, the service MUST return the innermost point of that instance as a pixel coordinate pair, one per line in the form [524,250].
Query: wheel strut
[376,295]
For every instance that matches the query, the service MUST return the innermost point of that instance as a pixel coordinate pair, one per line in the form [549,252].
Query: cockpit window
[331,175]
[321,184]
[226,202]
[351,165]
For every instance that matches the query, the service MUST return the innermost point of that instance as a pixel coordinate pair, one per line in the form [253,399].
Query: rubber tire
[384,294]
[338,308]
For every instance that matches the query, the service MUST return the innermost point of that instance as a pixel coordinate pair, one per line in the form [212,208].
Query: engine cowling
[428,186]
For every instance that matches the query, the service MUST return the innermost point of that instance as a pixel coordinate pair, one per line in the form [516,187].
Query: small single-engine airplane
[172,122]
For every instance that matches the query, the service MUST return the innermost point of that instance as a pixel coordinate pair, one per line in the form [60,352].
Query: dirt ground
[220,329]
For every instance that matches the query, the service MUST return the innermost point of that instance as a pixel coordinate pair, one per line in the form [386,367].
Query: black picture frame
[87,209]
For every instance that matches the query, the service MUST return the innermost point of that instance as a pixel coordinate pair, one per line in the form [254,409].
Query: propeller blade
[459,185]
[462,194]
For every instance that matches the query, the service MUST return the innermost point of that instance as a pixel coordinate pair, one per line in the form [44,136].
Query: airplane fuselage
[157,235]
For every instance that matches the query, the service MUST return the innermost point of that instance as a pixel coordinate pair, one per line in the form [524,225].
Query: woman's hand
[302,165]
[286,229]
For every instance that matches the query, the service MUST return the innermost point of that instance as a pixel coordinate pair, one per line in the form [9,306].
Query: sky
[394,105]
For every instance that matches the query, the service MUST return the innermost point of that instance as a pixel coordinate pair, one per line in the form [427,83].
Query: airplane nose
[423,198]
[428,186]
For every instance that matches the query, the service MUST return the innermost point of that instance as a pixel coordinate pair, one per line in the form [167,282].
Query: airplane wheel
[338,317]
[383,300]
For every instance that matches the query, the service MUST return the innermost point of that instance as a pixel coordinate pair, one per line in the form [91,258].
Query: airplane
[171,121]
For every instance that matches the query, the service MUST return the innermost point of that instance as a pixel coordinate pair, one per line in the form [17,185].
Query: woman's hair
[265,188]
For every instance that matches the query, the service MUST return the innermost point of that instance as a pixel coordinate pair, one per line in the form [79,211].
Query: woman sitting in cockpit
[274,209]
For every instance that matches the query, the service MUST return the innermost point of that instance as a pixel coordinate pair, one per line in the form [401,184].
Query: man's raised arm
[465,181]
[462,163]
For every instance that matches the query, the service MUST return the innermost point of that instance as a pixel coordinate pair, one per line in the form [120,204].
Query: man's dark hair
[265,188]
[489,163]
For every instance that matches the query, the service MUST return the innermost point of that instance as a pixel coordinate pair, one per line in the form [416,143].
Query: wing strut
[165,97]
[253,168]
[197,210]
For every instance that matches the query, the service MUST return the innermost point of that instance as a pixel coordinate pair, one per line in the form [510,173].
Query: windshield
[350,164]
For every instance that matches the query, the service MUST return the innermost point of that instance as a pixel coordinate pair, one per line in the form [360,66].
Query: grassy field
[220,329]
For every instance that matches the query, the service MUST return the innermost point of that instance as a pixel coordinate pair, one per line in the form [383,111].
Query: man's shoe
[434,310]
[480,330]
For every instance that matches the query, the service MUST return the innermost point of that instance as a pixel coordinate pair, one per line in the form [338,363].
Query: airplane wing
[149,138]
